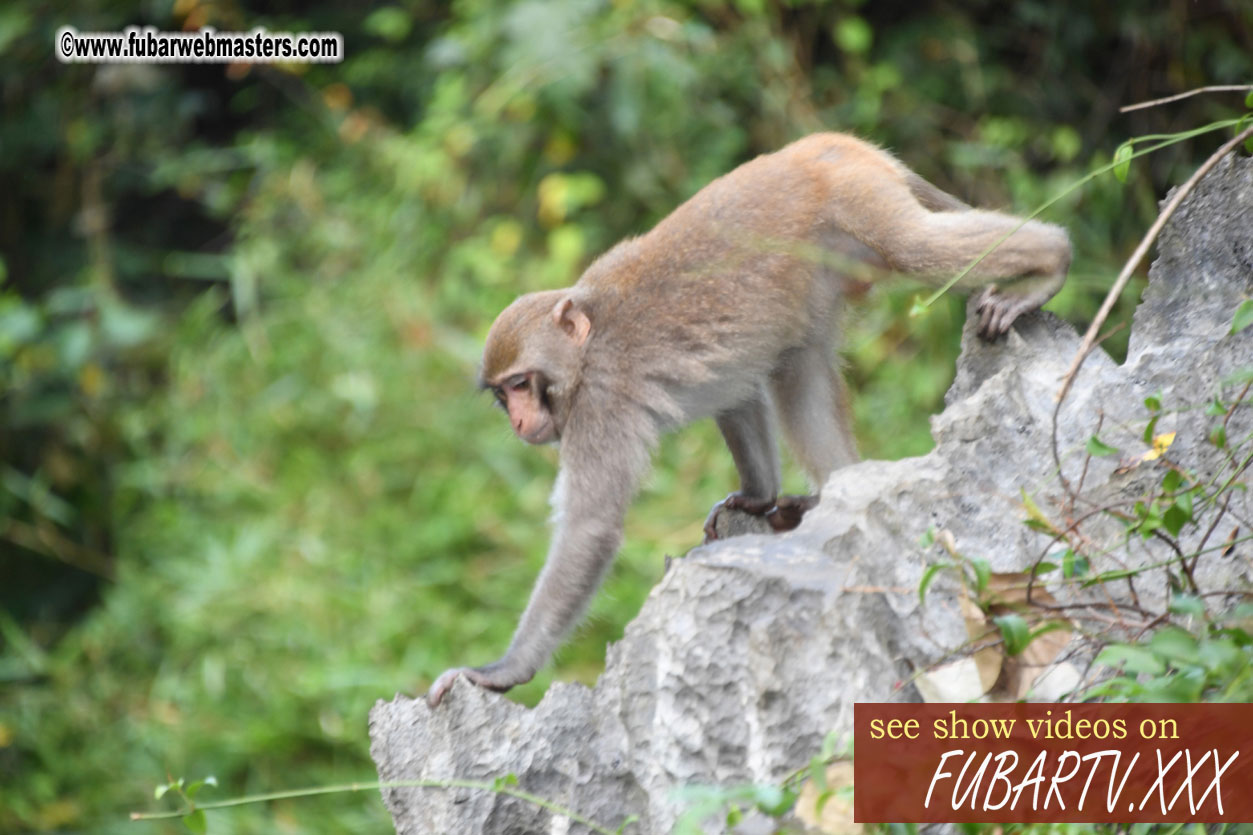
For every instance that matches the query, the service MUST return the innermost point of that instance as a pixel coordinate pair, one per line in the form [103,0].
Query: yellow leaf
[1161,443]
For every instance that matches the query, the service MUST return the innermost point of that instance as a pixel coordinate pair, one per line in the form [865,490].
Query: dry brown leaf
[988,659]
[1008,593]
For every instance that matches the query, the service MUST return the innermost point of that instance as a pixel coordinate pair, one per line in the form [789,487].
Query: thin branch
[1215,88]
[1089,338]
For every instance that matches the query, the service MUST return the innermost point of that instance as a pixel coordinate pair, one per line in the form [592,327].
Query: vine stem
[509,791]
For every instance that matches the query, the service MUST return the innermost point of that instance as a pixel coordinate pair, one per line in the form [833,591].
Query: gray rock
[751,649]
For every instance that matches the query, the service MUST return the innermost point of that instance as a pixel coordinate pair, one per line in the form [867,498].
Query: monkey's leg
[750,437]
[919,229]
[1025,269]
[813,410]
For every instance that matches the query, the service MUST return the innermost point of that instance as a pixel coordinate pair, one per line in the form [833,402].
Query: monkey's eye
[518,382]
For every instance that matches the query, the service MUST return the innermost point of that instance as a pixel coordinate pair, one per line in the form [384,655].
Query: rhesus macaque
[729,309]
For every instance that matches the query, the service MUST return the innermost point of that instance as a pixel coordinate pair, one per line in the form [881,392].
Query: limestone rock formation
[751,649]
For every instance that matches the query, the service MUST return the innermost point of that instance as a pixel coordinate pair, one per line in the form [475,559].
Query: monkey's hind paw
[782,514]
[789,510]
[734,501]
[997,311]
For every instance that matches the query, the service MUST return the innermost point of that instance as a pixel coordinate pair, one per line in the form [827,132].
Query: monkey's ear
[572,320]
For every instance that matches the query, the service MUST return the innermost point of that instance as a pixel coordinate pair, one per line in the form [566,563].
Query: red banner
[1055,763]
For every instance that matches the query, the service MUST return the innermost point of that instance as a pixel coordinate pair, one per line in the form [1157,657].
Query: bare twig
[1214,88]
[1089,338]
[1210,530]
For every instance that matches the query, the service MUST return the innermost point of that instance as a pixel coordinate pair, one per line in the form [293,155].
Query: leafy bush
[246,486]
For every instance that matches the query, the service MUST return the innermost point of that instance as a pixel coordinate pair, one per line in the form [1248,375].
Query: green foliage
[246,488]
[1243,317]
[702,803]
[1213,661]
[1099,448]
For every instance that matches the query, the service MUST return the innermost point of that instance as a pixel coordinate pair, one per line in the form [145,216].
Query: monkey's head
[531,360]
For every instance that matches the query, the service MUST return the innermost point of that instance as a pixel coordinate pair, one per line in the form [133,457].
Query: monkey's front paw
[491,677]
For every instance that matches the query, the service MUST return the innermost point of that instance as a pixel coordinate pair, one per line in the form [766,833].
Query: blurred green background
[246,484]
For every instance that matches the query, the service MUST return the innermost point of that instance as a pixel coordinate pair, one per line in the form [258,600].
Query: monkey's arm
[591,498]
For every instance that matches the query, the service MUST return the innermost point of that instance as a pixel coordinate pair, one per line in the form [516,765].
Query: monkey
[728,308]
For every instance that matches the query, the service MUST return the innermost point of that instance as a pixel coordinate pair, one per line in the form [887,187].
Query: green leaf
[1036,520]
[1074,565]
[1239,377]
[630,819]
[1099,448]
[774,800]
[389,23]
[1148,430]
[1218,436]
[1154,401]
[1015,632]
[1222,655]
[1184,502]
[1215,408]
[194,787]
[734,815]
[927,576]
[1175,644]
[1242,611]
[853,34]
[1243,317]
[1132,659]
[1171,481]
[928,538]
[982,572]
[1174,519]
[160,791]
[1044,568]
[918,307]
[1186,604]
[1248,100]
[195,821]
[1051,626]
[1122,156]
[818,772]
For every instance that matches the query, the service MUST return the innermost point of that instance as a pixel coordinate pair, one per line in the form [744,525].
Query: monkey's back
[743,262]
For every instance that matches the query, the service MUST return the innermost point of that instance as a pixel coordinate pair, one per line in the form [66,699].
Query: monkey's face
[524,395]
[531,361]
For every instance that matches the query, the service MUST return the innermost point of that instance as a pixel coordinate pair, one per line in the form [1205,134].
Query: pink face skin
[530,420]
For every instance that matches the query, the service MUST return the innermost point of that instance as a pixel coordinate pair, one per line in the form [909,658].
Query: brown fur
[728,308]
